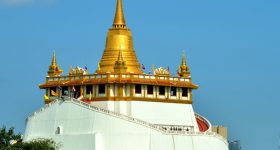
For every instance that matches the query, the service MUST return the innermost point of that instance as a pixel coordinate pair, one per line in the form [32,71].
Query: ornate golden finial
[161,72]
[119,21]
[183,70]
[120,65]
[184,61]
[78,71]
[54,59]
[54,69]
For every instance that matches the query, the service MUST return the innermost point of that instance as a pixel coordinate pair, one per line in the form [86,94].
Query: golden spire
[183,70]
[119,21]
[54,69]
[120,58]
[184,61]
[54,59]
[119,38]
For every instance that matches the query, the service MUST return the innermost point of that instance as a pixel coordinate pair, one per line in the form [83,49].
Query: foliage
[41,144]
[7,136]
[11,141]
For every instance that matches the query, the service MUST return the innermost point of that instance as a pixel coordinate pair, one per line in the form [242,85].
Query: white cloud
[22,2]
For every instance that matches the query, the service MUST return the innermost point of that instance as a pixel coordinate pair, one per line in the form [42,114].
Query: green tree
[7,137]
[9,140]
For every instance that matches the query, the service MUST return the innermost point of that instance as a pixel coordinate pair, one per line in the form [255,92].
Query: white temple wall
[164,113]
[86,129]
[125,108]
[154,112]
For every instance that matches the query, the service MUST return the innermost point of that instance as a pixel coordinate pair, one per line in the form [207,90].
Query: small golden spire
[54,69]
[120,58]
[54,59]
[120,65]
[183,70]
[119,21]
[184,60]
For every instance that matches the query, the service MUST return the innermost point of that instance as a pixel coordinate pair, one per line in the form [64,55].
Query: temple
[120,107]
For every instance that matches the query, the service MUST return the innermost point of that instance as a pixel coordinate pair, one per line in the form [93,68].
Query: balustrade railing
[176,128]
[115,76]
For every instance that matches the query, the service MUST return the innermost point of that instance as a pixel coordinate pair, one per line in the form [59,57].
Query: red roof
[202,125]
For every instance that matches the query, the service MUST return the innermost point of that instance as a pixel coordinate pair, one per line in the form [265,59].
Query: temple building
[119,107]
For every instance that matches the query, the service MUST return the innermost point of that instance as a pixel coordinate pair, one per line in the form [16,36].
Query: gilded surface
[77,71]
[161,71]
[183,70]
[120,64]
[54,69]
[119,20]
[119,38]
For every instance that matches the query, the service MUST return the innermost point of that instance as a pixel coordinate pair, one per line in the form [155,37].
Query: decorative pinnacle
[120,61]
[183,70]
[54,59]
[119,21]
[120,65]
[54,69]
[120,57]
[184,60]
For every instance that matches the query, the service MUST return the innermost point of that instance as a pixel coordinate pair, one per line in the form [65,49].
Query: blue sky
[232,48]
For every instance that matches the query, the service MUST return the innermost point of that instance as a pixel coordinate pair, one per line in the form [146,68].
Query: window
[59,130]
[138,88]
[65,91]
[185,92]
[161,90]
[173,91]
[150,89]
[101,88]
[88,89]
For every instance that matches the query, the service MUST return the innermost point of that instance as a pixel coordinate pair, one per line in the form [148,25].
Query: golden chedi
[119,38]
